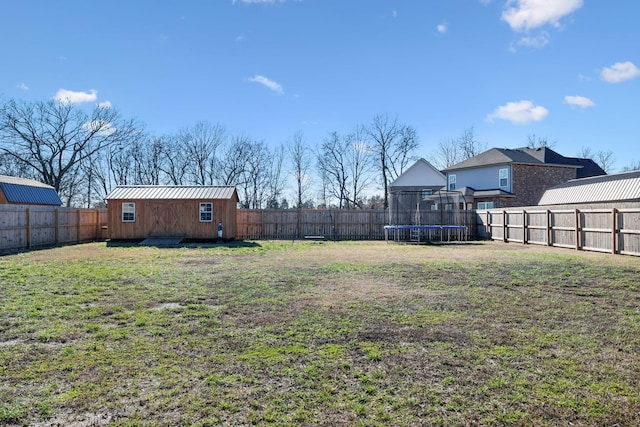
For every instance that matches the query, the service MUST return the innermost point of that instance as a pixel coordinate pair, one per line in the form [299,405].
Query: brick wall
[531,181]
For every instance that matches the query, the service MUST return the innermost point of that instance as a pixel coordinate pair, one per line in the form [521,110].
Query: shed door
[167,219]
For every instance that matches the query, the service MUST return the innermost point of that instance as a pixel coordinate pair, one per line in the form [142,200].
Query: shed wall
[172,217]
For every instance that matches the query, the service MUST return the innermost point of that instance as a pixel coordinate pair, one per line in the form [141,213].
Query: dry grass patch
[309,333]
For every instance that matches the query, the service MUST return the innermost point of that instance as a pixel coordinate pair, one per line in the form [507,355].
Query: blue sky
[566,70]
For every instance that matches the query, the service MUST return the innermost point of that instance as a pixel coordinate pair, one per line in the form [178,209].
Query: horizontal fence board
[611,228]
[24,227]
[347,224]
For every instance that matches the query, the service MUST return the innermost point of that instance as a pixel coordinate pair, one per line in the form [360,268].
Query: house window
[485,205]
[434,207]
[504,177]
[448,206]
[129,212]
[426,193]
[206,212]
[452,182]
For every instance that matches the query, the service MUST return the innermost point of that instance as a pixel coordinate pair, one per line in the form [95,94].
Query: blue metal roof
[30,194]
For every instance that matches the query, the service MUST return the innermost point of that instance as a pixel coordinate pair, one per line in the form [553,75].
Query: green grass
[307,333]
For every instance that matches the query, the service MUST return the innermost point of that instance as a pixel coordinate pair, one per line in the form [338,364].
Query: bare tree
[469,144]
[394,145]
[534,142]
[456,150]
[347,164]
[359,156]
[634,165]
[200,143]
[174,160]
[447,154]
[275,178]
[230,170]
[603,158]
[333,168]
[299,155]
[54,138]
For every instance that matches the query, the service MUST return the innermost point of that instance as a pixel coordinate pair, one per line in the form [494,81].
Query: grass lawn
[319,333]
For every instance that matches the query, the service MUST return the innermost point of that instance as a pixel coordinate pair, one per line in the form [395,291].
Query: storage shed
[22,191]
[191,212]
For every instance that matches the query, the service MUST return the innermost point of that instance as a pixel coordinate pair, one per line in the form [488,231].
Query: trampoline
[460,231]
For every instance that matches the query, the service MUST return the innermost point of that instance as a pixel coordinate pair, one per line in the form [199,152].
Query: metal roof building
[171,192]
[621,187]
[188,211]
[22,191]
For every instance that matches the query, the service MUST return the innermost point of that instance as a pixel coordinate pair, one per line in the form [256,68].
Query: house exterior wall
[483,178]
[172,217]
[531,181]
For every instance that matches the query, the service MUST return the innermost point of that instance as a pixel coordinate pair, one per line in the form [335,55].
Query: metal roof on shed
[28,191]
[171,192]
[607,188]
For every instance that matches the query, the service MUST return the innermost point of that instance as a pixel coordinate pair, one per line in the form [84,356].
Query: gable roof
[172,192]
[28,191]
[531,156]
[607,188]
[421,173]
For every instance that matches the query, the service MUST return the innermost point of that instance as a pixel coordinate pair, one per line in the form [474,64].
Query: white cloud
[100,127]
[619,72]
[524,15]
[442,28]
[22,86]
[105,104]
[521,113]
[579,101]
[68,96]
[539,41]
[268,83]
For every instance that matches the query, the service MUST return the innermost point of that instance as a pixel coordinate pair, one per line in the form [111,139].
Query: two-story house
[413,190]
[502,177]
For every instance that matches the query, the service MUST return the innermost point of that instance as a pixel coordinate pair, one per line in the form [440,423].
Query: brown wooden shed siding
[172,218]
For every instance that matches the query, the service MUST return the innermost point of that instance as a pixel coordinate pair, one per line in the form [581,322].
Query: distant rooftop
[531,156]
[607,188]
[28,191]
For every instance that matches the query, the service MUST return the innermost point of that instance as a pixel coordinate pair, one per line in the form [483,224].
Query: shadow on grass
[188,243]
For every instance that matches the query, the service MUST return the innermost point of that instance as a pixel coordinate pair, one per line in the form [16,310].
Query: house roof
[607,188]
[471,192]
[421,173]
[531,156]
[28,191]
[172,192]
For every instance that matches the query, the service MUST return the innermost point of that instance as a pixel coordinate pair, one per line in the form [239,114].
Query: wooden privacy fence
[318,223]
[613,230]
[333,224]
[24,227]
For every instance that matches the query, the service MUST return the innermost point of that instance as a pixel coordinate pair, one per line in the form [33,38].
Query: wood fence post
[78,237]
[615,232]
[28,219]
[549,229]
[504,226]
[577,229]
[524,227]
[57,229]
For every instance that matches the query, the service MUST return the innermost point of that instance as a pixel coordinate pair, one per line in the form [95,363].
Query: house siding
[529,182]
[486,178]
